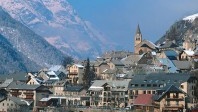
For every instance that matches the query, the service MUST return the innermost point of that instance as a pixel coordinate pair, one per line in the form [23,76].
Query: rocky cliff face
[22,49]
[185,28]
[59,24]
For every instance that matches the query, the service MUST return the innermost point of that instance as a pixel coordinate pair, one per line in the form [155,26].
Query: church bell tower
[137,38]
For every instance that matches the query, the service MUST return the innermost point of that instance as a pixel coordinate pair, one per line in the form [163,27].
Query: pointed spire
[138,30]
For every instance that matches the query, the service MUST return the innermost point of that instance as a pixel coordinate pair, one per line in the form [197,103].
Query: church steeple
[138,36]
[137,39]
[138,30]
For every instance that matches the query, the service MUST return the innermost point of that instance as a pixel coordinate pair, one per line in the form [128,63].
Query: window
[161,85]
[148,85]
[149,92]
[3,104]
[153,92]
[182,86]
[136,92]
[168,103]
[177,102]
[7,104]
[144,92]
[154,85]
[142,85]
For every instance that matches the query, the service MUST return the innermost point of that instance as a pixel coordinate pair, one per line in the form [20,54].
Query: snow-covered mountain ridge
[186,28]
[191,17]
[60,25]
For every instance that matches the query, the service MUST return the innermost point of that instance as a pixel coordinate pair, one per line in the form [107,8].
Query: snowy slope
[60,25]
[191,17]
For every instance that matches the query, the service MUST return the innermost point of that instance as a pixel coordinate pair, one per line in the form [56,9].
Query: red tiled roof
[143,99]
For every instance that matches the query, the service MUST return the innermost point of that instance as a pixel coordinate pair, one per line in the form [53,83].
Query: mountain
[13,61]
[185,28]
[22,46]
[59,24]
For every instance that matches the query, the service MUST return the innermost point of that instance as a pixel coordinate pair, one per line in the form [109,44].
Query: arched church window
[141,51]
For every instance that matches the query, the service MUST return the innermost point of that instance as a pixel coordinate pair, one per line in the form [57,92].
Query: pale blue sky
[118,19]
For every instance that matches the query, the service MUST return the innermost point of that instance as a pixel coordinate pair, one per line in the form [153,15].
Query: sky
[118,19]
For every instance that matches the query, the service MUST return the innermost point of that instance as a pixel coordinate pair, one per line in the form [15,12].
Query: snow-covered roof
[45,99]
[189,52]
[79,66]
[52,75]
[121,75]
[191,17]
[152,43]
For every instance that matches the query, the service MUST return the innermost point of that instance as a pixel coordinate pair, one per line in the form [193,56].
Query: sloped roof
[171,67]
[73,88]
[60,83]
[170,53]
[79,65]
[19,101]
[112,71]
[98,63]
[182,64]
[117,63]
[148,43]
[171,89]
[158,78]
[6,83]
[19,85]
[132,59]
[144,99]
[168,44]
[116,54]
[117,85]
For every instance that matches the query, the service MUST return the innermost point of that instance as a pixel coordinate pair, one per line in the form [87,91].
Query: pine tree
[86,74]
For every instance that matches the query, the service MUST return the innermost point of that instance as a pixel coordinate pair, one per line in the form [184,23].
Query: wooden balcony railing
[173,106]
[175,98]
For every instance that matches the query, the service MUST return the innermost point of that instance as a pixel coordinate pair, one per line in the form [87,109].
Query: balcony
[73,73]
[15,93]
[174,106]
[29,93]
[29,98]
[175,98]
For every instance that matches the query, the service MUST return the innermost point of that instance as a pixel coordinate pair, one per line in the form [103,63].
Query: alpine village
[153,78]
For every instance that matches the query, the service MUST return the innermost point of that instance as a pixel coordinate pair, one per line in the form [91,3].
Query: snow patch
[191,18]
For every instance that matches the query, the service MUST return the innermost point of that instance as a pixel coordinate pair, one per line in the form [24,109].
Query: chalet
[14,104]
[116,64]
[28,92]
[150,83]
[100,67]
[171,99]
[187,55]
[106,93]
[75,73]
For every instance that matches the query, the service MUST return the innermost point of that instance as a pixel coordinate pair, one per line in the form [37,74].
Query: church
[142,46]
